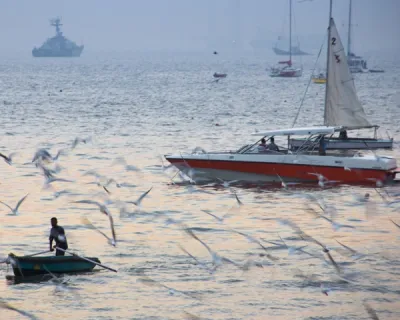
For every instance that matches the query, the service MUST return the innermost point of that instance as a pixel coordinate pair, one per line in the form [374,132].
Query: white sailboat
[356,63]
[286,69]
[342,106]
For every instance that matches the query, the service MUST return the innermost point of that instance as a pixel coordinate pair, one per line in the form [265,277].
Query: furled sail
[342,105]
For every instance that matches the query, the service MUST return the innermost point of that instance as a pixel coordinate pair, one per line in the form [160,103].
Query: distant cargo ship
[58,46]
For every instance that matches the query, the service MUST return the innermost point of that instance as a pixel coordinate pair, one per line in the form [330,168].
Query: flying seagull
[15,210]
[8,159]
[139,200]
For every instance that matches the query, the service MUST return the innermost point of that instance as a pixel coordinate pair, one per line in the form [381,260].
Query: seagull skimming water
[14,211]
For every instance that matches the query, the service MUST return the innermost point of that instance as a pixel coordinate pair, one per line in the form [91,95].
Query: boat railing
[309,145]
[245,147]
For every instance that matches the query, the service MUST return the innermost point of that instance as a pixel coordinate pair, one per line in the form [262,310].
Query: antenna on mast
[349,35]
[57,23]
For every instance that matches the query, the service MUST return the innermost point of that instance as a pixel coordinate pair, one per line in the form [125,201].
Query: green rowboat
[30,266]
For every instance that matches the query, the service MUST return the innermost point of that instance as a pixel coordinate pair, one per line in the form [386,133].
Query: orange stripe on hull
[291,171]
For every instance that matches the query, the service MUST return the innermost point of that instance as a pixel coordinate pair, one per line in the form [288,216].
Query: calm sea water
[143,106]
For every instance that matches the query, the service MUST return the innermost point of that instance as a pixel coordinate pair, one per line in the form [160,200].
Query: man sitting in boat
[343,135]
[272,146]
[57,234]
[262,147]
[322,146]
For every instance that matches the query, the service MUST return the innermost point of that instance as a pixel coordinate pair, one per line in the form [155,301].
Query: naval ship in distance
[58,46]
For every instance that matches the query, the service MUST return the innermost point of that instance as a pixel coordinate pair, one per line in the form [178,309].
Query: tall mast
[349,35]
[56,23]
[290,31]
[328,59]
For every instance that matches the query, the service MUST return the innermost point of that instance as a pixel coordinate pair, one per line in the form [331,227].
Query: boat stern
[391,175]
[390,165]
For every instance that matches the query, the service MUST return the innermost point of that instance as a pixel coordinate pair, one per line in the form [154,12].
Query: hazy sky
[191,25]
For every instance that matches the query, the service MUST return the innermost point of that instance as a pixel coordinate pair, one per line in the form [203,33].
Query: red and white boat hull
[290,167]
[286,73]
[291,73]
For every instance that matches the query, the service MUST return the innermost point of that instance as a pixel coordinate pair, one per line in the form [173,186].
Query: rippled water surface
[143,106]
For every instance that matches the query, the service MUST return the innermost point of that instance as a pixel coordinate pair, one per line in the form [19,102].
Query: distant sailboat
[342,106]
[285,68]
[319,79]
[296,51]
[357,64]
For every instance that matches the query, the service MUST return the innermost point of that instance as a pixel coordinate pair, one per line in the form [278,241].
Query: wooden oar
[36,254]
[91,261]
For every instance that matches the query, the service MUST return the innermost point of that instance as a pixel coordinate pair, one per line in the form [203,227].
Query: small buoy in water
[60,90]
[217,124]
[284,101]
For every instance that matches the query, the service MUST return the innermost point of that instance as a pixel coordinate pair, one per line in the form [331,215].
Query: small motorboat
[376,70]
[320,79]
[219,75]
[32,266]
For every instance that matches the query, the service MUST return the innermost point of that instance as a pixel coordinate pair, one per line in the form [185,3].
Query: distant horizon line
[221,51]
